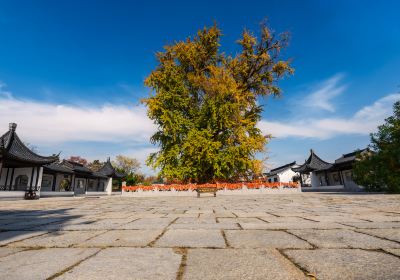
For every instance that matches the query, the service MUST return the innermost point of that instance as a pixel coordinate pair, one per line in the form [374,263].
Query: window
[275,179]
[47,181]
[21,182]
[101,186]
[92,185]
[65,185]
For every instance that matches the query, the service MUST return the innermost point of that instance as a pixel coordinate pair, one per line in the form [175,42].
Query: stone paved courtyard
[298,236]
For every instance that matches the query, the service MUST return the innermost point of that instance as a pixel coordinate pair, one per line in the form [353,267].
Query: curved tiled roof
[350,157]
[313,163]
[11,147]
[109,171]
[57,167]
[69,167]
[279,169]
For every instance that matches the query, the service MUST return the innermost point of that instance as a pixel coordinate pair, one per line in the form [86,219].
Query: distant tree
[128,165]
[95,165]
[205,105]
[78,159]
[379,169]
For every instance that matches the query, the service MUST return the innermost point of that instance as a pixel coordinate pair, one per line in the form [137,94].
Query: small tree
[205,105]
[78,159]
[126,164]
[95,165]
[379,169]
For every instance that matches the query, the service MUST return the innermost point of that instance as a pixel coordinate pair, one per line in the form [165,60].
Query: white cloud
[53,123]
[321,97]
[362,122]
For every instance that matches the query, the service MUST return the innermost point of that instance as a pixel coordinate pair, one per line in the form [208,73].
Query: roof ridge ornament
[12,127]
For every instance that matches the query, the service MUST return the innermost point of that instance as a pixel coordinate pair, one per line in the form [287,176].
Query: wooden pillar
[326,178]
[1,168]
[12,178]
[31,183]
[53,186]
[341,177]
[73,182]
[37,178]
[5,182]
[301,180]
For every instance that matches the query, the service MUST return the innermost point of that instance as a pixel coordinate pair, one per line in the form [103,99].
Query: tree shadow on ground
[20,224]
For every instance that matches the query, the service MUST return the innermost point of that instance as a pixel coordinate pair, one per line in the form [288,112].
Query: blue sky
[72,73]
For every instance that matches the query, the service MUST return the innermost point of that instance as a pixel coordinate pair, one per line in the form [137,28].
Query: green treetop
[205,105]
[379,169]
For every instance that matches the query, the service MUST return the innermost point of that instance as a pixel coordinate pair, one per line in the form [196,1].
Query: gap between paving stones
[313,246]
[379,237]
[182,267]
[307,273]
[151,244]
[72,266]
[5,245]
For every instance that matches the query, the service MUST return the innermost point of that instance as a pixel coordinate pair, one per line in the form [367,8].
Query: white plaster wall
[22,171]
[40,178]
[315,183]
[286,176]
[109,186]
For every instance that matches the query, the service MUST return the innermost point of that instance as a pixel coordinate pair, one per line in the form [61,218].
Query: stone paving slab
[392,234]
[128,238]
[5,251]
[241,220]
[205,226]
[128,263]
[28,224]
[393,251]
[242,264]
[40,264]
[347,263]
[196,238]
[291,225]
[148,223]
[263,239]
[211,237]
[195,220]
[58,239]
[342,238]
[12,236]
[367,225]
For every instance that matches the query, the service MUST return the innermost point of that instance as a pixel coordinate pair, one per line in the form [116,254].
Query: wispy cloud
[55,123]
[321,95]
[362,122]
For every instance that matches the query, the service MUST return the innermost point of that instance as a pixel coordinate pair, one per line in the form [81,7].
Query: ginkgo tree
[204,103]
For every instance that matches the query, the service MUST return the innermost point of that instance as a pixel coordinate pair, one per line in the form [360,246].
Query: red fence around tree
[219,186]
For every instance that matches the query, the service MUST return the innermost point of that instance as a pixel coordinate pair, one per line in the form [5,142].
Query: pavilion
[21,169]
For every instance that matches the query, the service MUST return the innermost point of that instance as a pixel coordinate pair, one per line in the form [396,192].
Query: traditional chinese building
[22,172]
[72,178]
[325,175]
[282,173]
[21,169]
